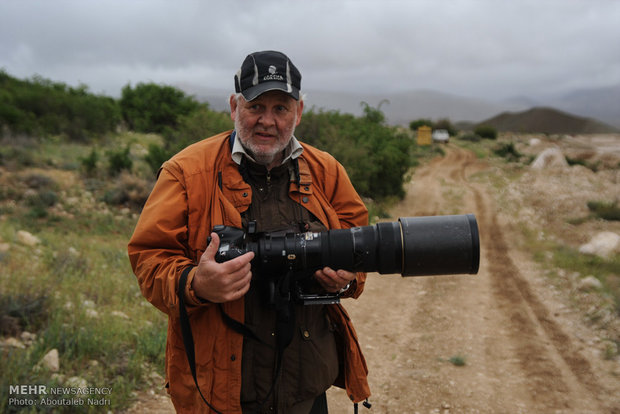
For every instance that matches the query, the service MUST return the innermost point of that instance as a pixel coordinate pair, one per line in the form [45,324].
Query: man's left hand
[333,281]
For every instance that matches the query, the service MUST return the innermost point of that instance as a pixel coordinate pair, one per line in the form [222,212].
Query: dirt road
[524,352]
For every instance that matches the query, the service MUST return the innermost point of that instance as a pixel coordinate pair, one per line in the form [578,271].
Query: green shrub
[89,163]
[42,107]
[128,190]
[605,210]
[193,127]
[156,156]
[376,156]
[42,199]
[150,107]
[118,161]
[414,125]
[508,151]
[16,157]
[445,123]
[486,131]
[458,360]
[471,137]
[23,312]
[39,181]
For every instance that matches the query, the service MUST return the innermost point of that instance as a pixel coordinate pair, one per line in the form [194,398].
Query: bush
[508,151]
[118,161]
[447,125]
[23,312]
[156,156]
[470,136]
[486,131]
[89,163]
[155,108]
[129,191]
[41,107]
[605,210]
[376,156]
[414,125]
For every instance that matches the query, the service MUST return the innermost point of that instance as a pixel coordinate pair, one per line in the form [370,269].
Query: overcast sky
[490,49]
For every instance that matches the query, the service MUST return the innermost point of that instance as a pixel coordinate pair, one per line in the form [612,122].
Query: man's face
[266,125]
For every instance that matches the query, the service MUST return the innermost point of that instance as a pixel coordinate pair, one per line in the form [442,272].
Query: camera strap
[186,331]
[285,327]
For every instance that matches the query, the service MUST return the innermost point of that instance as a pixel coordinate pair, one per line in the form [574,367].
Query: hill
[546,120]
[400,108]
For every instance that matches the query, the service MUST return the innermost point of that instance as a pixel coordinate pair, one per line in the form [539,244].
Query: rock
[603,244]
[27,238]
[58,378]
[589,283]
[12,343]
[28,338]
[550,158]
[91,313]
[119,314]
[50,361]
[4,247]
[534,141]
[73,251]
[76,382]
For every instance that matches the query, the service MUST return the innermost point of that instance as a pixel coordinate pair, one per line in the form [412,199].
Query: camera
[411,246]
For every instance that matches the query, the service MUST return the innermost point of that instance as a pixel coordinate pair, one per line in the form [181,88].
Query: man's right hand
[222,282]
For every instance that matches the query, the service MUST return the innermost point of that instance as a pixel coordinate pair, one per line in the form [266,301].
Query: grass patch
[458,360]
[79,296]
[556,256]
[605,210]
[74,290]
[599,210]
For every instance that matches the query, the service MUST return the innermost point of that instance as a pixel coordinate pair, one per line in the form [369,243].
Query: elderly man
[230,349]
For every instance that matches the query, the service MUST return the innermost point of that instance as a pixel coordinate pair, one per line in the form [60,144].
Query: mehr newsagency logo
[39,395]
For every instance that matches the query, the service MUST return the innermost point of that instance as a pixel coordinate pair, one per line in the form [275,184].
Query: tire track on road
[531,320]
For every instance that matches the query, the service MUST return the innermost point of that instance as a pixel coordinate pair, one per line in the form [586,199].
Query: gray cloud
[481,48]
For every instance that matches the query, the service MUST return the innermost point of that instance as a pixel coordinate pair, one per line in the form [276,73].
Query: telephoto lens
[411,246]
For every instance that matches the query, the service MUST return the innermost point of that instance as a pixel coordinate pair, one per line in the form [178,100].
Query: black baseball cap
[267,71]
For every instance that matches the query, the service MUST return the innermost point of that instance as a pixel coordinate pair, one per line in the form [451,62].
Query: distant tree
[376,156]
[42,107]
[199,124]
[374,114]
[445,123]
[150,107]
[414,125]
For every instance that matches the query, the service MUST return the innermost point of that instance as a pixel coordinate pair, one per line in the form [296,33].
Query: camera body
[411,246]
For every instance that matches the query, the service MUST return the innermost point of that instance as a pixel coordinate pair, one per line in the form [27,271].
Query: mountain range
[401,108]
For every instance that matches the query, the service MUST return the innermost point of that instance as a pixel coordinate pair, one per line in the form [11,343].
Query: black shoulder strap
[186,331]
[285,327]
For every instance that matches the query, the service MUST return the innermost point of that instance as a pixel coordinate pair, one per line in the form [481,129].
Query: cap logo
[267,71]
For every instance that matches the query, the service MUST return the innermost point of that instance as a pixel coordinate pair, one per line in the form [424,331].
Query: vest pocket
[316,367]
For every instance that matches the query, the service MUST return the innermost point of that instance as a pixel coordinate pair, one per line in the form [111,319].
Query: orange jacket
[171,234]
